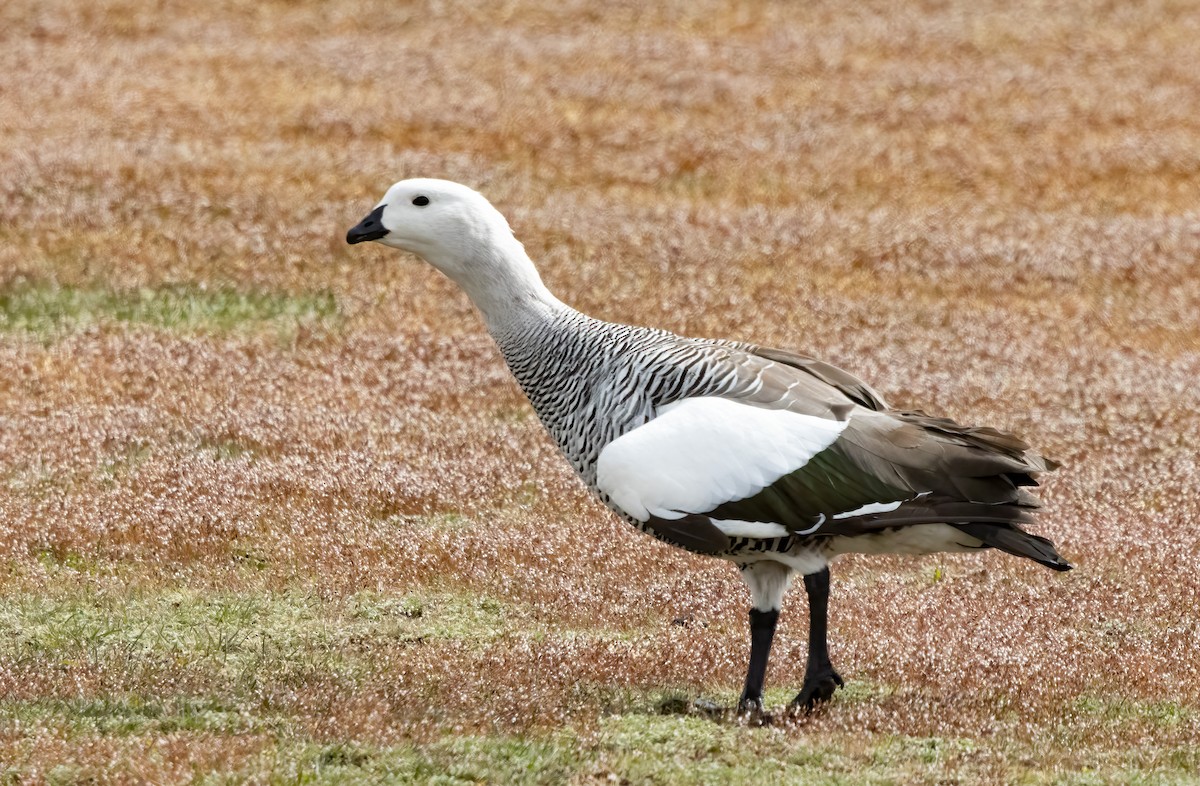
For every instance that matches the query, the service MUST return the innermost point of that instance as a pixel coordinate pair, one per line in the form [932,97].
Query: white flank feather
[701,452]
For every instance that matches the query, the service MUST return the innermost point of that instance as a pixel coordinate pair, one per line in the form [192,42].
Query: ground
[271,509]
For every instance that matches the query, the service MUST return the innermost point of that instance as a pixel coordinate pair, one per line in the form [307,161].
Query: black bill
[370,228]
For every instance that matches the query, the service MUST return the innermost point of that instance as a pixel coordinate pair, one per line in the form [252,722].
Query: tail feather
[1014,540]
[995,526]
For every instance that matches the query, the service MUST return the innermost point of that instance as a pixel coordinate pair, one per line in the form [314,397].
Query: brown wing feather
[846,383]
[940,470]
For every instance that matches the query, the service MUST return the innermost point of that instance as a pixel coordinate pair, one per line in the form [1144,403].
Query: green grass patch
[239,637]
[123,462]
[46,310]
[449,520]
[227,645]
[450,761]
[216,659]
[775,699]
[626,748]
[1120,711]
[666,749]
[135,715]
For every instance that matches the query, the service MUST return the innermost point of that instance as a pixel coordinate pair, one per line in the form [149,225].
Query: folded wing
[797,446]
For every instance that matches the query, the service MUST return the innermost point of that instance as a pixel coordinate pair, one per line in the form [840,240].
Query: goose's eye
[421,201]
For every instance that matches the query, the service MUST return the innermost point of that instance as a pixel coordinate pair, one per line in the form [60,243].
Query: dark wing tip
[1016,541]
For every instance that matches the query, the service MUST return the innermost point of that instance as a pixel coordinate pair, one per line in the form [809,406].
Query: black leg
[820,680]
[762,630]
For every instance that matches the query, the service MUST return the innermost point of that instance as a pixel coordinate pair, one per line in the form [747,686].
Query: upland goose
[769,459]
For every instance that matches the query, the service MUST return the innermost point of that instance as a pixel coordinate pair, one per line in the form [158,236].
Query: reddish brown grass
[989,211]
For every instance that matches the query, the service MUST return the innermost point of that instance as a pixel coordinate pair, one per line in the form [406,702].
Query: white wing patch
[870,507]
[701,452]
[878,507]
[750,529]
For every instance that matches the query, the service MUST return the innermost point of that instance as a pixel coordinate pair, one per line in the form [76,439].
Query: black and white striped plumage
[772,460]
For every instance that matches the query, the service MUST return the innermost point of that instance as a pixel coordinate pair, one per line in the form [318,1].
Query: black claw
[817,690]
[753,713]
[750,707]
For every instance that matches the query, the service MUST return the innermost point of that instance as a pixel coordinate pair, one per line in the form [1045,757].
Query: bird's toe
[818,689]
[752,712]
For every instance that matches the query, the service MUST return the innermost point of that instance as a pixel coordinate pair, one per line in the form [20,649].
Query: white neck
[500,279]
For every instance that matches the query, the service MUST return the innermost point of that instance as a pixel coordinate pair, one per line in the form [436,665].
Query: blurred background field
[271,509]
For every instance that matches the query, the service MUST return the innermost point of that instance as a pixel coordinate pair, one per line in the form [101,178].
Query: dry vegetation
[271,510]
